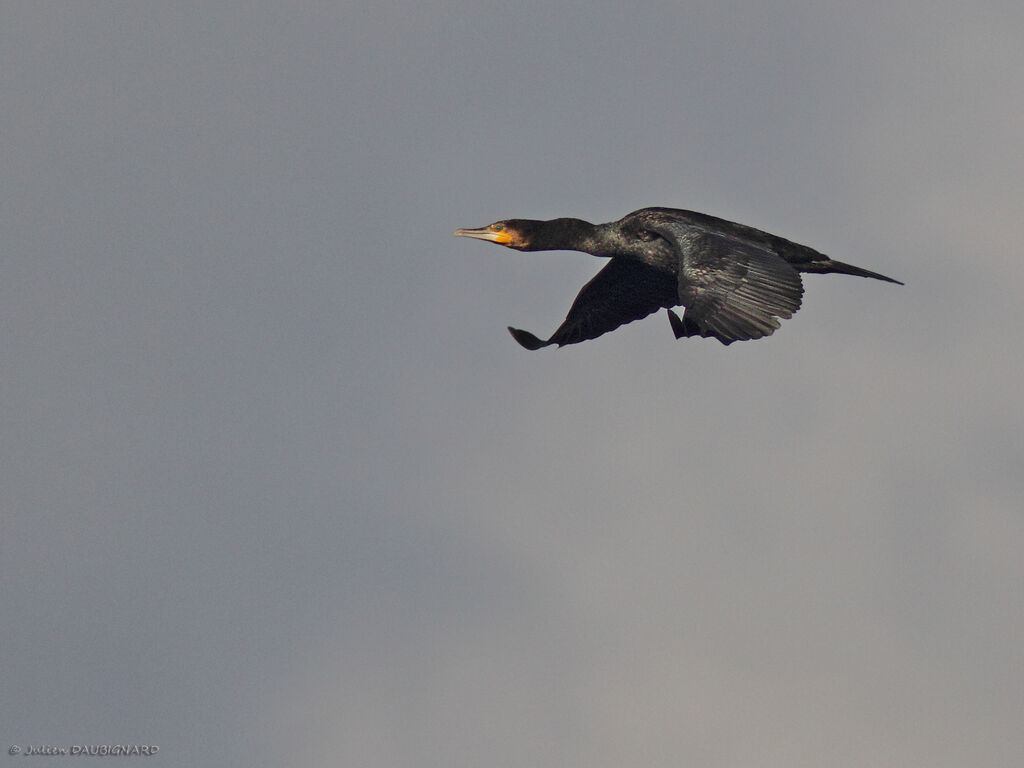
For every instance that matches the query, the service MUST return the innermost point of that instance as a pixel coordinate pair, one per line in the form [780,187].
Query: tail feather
[842,268]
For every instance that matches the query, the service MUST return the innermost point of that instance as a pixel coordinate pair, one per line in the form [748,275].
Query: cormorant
[734,281]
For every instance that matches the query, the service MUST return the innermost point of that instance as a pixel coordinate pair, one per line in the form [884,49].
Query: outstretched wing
[732,289]
[621,292]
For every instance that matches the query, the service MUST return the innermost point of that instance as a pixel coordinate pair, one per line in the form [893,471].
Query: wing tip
[526,339]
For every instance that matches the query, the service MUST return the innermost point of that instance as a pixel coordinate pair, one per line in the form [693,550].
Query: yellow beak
[486,233]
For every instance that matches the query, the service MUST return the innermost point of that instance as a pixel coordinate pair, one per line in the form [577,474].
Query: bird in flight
[735,282]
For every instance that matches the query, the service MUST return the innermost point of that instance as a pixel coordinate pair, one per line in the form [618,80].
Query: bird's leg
[682,326]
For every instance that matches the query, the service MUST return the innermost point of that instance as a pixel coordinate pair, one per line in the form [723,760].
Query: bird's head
[534,235]
[512,233]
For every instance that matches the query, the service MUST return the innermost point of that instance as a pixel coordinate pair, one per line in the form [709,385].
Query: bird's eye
[646,236]
[497,227]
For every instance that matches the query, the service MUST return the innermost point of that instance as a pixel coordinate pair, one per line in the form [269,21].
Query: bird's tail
[842,268]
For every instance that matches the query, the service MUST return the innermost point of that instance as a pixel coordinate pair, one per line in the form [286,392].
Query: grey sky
[278,488]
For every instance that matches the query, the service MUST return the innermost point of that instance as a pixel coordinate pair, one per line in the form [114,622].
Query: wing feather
[623,291]
[733,289]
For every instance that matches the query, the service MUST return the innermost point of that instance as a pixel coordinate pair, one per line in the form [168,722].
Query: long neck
[565,235]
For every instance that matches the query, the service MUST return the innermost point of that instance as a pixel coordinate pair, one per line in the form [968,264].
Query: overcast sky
[278,488]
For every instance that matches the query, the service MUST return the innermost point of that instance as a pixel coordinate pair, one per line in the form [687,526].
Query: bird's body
[735,281]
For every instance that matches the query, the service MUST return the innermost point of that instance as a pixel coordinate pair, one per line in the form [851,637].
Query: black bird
[734,281]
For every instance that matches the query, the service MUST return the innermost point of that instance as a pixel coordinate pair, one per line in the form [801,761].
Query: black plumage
[735,282]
